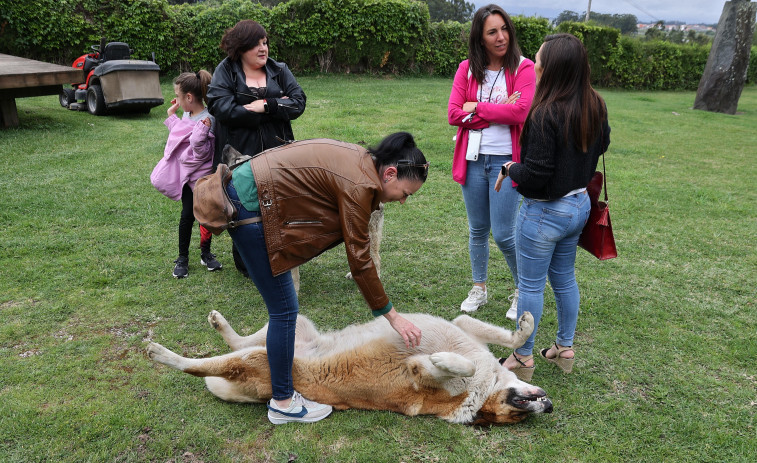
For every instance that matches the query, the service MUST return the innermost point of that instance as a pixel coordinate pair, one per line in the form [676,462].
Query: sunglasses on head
[407,163]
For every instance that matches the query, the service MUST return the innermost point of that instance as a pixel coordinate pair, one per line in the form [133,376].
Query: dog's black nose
[548,408]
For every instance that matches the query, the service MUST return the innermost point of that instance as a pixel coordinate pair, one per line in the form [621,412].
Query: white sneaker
[476,298]
[301,410]
[512,313]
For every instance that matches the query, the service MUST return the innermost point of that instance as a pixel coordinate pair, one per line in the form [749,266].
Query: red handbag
[597,237]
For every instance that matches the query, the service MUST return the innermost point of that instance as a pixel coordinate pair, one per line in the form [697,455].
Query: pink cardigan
[187,157]
[464,89]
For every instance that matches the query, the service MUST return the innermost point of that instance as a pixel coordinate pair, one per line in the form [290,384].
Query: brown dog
[452,374]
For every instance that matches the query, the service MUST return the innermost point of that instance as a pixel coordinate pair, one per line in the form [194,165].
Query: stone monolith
[725,73]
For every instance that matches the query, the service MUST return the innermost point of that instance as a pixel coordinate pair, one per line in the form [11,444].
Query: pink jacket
[464,89]
[188,156]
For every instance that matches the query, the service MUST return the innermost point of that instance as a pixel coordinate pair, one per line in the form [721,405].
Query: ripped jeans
[490,211]
[547,238]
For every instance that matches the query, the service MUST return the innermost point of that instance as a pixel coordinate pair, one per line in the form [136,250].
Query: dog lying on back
[451,374]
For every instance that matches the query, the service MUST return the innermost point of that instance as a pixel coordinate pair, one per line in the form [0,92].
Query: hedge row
[351,35]
[375,36]
[446,43]
[624,62]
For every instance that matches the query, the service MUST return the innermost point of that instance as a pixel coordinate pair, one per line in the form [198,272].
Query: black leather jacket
[249,132]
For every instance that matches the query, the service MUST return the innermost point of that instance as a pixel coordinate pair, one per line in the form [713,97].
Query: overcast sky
[690,11]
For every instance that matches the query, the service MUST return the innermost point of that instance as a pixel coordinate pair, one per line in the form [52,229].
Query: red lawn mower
[114,82]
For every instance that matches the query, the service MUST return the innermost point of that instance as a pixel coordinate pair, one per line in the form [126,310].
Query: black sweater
[549,166]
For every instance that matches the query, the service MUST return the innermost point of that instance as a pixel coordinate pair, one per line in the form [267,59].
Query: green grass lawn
[666,345]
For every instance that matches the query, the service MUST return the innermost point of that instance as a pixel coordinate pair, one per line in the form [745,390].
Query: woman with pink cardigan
[489,102]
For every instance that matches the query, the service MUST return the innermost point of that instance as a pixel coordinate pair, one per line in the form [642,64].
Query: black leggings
[186,222]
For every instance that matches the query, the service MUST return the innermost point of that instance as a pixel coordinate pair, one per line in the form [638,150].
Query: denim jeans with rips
[490,211]
[547,238]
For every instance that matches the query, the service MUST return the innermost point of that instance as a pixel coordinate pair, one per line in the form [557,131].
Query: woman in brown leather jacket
[312,195]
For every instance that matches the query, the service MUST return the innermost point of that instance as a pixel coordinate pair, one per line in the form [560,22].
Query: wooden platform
[21,77]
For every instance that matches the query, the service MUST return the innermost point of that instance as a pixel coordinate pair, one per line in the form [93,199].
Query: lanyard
[481,89]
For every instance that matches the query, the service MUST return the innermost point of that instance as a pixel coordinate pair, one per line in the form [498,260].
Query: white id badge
[474,143]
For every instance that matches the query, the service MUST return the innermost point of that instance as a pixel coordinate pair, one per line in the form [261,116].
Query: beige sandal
[523,372]
[565,364]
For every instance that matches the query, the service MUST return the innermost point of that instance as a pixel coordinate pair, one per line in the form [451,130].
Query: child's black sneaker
[208,259]
[181,270]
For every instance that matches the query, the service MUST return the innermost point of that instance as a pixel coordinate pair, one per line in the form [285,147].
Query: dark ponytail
[195,83]
[399,150]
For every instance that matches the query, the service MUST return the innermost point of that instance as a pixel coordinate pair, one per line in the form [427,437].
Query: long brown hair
[477,57]
[564,90]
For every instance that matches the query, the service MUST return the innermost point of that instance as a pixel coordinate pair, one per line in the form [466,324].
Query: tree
[675,35]
[625,22]
[450,10]
[699,39]
[656,32]
[270,3]
[566,16]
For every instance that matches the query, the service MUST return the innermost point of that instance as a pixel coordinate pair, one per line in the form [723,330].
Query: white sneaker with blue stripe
[301,410]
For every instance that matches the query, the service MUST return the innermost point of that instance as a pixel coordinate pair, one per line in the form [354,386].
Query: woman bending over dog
[312,195]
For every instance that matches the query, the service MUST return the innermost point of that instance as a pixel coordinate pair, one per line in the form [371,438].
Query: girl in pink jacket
[188,156]
[489,102]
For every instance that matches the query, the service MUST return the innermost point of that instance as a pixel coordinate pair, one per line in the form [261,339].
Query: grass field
[667,337]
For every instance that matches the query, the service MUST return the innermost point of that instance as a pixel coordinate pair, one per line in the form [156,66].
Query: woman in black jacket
[565,133]
[252,97]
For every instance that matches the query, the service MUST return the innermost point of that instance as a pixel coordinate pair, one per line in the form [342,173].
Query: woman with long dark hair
[489,102]
[565,133]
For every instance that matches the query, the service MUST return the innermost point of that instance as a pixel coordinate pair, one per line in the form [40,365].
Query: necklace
[481,89]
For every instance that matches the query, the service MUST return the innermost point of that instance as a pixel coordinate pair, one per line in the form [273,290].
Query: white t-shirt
[496,138]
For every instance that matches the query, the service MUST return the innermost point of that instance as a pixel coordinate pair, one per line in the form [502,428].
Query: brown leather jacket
[315,194]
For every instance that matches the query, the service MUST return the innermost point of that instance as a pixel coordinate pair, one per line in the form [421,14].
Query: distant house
[684,27]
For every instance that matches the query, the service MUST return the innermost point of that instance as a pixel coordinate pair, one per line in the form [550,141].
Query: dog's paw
[216,320]
[156,352]
[453,363]
[526,324]
[349,275]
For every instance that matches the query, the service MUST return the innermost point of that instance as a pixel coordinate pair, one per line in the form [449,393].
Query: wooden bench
[21,77]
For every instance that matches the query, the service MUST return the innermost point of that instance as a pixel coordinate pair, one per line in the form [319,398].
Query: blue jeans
[278,294]
[489,210]
[547,237]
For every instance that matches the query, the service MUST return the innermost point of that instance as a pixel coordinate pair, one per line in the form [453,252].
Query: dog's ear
[231,157]
[229,152]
